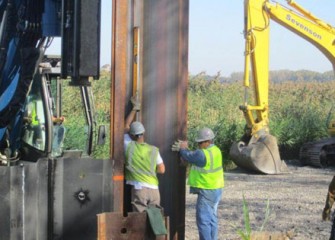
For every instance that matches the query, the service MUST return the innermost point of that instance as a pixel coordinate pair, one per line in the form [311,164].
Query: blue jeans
[206,212]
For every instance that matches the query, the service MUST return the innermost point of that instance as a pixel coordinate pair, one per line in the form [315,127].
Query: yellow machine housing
[258,151]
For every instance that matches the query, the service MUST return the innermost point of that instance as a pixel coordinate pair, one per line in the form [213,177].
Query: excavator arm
[258,151]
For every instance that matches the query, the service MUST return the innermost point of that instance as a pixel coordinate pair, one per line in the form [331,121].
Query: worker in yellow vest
[205,179]
[142,163]
[36,125]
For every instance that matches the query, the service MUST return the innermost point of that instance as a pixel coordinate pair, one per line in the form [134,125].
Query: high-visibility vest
[211,175]
[141,163]
[34,119]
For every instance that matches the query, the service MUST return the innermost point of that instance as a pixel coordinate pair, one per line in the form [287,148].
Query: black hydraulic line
[89,116]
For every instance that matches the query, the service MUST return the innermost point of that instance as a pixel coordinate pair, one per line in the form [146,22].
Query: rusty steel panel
[162,85]
[119,73]
[164,78]
[135,226]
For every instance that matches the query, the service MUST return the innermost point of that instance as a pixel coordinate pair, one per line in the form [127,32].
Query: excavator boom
[258,150]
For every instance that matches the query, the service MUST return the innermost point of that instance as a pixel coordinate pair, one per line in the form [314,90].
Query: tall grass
[297,110]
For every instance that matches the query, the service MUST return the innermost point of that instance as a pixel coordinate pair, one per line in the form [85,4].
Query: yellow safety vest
[34,119]
[141,163]
[211,175]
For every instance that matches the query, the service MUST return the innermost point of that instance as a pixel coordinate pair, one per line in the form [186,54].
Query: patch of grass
[245,233]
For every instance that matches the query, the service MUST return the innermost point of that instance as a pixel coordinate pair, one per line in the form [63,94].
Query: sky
[216,42]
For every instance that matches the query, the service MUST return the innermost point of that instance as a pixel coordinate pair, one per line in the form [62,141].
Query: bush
[298,112]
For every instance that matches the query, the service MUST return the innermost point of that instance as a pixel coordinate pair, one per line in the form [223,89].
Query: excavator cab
[44,136]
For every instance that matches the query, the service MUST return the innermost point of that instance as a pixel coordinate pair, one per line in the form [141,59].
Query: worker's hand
[58,120]
[326,215]
[179,145]
[27,120]
[176,146]
[136,103]
[61,119]
[184,145]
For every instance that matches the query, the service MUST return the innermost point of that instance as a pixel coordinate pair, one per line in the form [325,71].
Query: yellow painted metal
[136,55]
[256,32]
[331,128]
[136,64]
[306,25]
[307,14]
[258,15]
[309,27]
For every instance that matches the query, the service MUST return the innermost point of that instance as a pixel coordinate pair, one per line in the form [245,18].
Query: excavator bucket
[260,155]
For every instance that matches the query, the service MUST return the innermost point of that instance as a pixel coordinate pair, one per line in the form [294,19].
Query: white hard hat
[205,134]
[136,128]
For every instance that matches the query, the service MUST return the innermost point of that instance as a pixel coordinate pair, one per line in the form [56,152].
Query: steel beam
[162,80]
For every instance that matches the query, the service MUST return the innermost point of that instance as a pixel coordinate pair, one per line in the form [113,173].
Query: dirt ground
[296,202]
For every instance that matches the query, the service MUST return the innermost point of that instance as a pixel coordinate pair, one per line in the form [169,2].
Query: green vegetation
[245,233]
[298,109]
[75,123]
[101,92]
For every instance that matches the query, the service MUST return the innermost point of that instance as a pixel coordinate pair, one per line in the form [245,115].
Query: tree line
[299,106]
[278,76]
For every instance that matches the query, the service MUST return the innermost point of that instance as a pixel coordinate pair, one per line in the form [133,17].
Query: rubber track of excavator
[310,153]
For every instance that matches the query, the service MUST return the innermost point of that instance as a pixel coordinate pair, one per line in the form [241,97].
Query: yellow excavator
[258,150]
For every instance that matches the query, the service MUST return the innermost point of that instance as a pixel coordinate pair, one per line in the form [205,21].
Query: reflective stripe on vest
[211,166]
[141,163]
[211,175]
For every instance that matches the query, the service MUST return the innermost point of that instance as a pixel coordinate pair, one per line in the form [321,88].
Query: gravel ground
[296,201]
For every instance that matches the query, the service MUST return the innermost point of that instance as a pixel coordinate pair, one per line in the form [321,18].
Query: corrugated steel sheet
[163,71]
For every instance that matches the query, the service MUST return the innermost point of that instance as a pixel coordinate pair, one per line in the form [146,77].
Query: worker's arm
[329,200]
[131,116]
[160,168]
[129,120]
[196,157]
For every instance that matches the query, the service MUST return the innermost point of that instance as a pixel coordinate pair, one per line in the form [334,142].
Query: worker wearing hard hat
[143,161]
[205,179]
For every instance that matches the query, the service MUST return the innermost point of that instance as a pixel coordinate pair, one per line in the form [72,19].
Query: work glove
[176,146]
[136,103]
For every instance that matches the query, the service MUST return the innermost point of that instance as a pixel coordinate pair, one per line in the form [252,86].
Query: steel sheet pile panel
[164,79]
[162,85]
[81,190]
[24,201]
[119,78]
[133,227]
